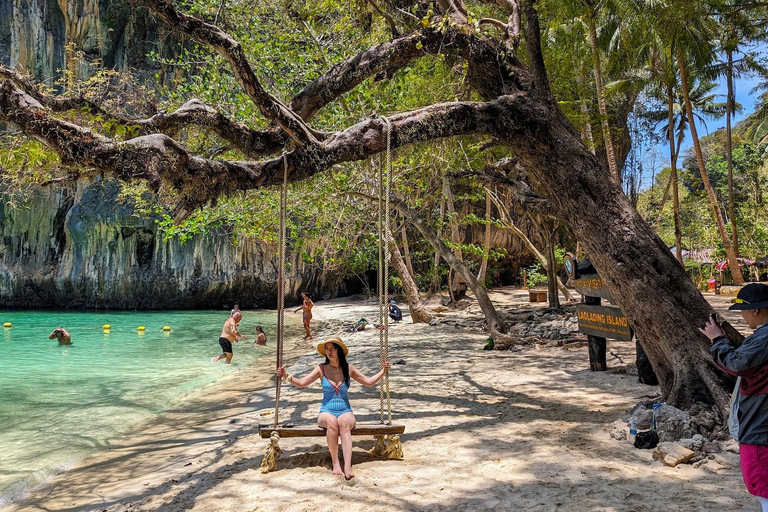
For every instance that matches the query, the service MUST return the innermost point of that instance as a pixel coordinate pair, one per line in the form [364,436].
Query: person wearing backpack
[749,361]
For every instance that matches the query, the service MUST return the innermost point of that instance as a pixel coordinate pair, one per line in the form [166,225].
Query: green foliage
[534,276]
[332,219]
[24,162]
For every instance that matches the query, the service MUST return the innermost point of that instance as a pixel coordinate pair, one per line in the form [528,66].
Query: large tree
[516,109]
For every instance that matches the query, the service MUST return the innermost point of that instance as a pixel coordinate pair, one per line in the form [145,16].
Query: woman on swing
[336,415]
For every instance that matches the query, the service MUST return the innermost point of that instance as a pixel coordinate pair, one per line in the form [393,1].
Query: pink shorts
[754,468]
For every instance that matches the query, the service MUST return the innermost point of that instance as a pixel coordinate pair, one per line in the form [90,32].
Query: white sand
[484,430]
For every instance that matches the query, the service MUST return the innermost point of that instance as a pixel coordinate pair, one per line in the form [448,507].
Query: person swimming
[261,338]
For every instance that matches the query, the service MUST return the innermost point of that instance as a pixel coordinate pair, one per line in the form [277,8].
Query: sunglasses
[739,301]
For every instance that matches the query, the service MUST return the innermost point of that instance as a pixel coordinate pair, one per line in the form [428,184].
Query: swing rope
[385,176]
[387,437]
[281,282]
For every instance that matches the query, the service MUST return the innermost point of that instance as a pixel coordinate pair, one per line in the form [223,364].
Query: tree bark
[495,324]
[730,106]
[733,262]
[487,244]
[419,314]
[673,151]
[597,67]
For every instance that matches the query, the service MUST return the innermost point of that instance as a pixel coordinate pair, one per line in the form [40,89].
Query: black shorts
[226,345]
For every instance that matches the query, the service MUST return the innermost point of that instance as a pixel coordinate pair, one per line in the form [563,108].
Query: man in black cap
[750,362]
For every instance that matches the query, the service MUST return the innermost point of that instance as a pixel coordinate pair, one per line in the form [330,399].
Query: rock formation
[83,248]
[40,37]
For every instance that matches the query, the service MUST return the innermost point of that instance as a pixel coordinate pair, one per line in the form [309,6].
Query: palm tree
[688,32]
[579,19]
[673,122]
[738,29]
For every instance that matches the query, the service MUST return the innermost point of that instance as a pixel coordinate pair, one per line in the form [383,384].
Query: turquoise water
[59,403]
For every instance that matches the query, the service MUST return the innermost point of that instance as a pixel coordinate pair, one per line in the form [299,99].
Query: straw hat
[332,339]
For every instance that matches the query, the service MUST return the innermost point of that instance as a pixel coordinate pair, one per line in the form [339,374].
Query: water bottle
[633,432]
[656,406]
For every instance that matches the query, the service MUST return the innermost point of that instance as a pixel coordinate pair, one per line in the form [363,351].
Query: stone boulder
[671,423]
[672,454]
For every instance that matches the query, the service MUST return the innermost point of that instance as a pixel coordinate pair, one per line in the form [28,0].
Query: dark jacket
[750,362]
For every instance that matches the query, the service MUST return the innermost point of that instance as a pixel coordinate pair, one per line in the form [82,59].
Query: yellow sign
[604,322]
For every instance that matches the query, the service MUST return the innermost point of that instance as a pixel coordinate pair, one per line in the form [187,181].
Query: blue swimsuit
[335,399]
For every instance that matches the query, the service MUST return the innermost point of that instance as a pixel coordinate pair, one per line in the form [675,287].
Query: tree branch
[166,165]
[491,72]
[233,53]
[252,143]
[493,21]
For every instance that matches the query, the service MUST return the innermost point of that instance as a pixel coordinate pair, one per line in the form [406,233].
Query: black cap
[751,296]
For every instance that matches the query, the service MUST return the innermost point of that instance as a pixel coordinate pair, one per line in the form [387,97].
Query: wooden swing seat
[315,431]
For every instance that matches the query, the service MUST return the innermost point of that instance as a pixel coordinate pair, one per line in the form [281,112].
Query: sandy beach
[485,430]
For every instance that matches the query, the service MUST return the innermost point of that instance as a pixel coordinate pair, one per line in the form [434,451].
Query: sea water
[61,402]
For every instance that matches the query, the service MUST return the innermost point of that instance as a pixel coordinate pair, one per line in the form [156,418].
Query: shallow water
[59,403]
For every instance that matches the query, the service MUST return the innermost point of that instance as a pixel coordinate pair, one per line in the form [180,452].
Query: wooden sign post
[599,322]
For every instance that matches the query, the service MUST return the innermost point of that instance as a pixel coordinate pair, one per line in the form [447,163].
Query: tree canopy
[314,90]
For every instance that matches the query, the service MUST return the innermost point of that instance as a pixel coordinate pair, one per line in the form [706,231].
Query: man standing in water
[62,335]
[229,334]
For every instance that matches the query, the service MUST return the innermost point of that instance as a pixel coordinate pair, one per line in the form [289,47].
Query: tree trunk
[729,108]
[487,244]
[596,344]
[551,234]
[419,314]
[673,175]
[645,373]
[458,284]
[663,306]
[436,266]
[586,133]
[495,324]
[733,262]
[609,151]
[664,197]
[406,249]
[597,349]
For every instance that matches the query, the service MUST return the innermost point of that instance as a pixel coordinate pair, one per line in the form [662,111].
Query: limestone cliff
[82,248]
[39,37]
